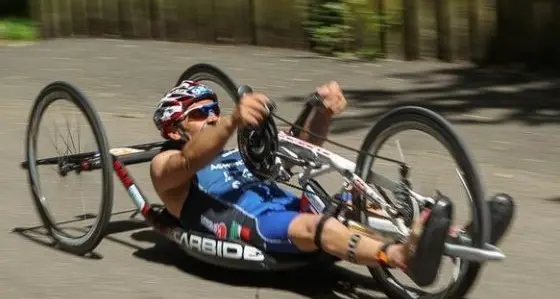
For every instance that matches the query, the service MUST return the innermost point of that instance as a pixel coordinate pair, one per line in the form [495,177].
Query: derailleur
[405,202]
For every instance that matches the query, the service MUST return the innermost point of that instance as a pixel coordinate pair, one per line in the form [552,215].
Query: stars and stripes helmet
[173,105]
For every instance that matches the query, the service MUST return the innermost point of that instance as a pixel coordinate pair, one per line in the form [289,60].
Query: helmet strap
[184,135]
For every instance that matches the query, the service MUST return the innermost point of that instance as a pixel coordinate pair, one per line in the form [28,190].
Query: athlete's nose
[212,117]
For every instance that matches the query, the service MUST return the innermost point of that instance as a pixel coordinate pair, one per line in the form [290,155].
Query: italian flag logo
[237,231]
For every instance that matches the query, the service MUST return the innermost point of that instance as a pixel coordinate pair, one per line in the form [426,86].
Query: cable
[334,142]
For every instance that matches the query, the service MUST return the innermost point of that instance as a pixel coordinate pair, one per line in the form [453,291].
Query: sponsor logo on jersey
[237,232]
[219,229]
[212,247]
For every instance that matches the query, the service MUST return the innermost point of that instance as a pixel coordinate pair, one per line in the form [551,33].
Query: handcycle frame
[240,255]
[314,161]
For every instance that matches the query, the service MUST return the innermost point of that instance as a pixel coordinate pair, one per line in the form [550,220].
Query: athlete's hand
[251,109]
[333,99]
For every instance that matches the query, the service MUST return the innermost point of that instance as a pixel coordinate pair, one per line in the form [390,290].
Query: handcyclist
[205,186]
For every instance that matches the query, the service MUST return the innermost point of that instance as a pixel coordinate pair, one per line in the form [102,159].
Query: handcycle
[265,150]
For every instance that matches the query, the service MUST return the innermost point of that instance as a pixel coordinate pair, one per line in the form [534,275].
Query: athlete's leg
[335,239]
[272,228]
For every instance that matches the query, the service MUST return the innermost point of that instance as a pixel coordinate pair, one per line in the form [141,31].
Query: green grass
[17,29]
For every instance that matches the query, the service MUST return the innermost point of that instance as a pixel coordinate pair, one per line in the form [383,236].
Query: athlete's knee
[307,231]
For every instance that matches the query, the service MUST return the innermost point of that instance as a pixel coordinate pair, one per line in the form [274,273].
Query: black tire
[65,91]
[417,118]
[204,71]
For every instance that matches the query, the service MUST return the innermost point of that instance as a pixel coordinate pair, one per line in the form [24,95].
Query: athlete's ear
[177,134]
[174,135]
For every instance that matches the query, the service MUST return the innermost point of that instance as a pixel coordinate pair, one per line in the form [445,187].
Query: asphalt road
[508,119]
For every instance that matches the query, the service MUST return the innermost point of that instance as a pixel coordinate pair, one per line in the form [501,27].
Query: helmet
[175,102]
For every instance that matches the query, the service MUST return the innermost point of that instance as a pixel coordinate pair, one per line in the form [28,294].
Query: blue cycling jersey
[228,180]
[228,201]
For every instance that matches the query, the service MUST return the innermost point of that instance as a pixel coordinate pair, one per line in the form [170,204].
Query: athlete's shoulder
[158,161]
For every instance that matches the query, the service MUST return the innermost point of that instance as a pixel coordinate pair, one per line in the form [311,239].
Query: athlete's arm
[177,168]
[319,121]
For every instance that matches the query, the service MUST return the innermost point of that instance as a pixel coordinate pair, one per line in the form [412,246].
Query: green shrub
[17,29]
[344,28]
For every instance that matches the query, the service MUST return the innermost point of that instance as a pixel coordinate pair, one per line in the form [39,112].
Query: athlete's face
[200,115]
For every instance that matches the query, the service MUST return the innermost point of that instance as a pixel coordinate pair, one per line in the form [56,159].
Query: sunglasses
[202,112]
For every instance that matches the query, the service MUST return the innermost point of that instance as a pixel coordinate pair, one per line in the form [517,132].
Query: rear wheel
[69,162]
[423,120]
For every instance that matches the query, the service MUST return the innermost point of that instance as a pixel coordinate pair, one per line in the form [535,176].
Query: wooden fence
[443,29]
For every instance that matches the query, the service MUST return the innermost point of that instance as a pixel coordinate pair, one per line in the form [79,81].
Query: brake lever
[314,99]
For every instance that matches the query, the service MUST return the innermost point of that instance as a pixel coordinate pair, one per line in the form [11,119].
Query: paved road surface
[509,120]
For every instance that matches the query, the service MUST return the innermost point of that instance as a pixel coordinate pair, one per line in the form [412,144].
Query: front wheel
[413,118]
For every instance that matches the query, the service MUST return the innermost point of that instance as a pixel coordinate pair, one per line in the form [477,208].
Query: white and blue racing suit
[226,200]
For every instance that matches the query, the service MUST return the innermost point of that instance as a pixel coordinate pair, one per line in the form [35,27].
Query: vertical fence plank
[280,24]
[411,30]
[79,18]
[35,13]
[94,17]
[444,34]
[223,21]
[232,21]
[110,13]
[156,18]
[170,18]
[141,19]
[187,24]
[555,39]
[205,20]
[242,19]
[54,13]
[488,32]
[40,17]
[474,25]
[545,45]
[379,8]
[394,11]
[514,37]
[501,31]
[428,22]
[460,29]
[126,27]
[65,18]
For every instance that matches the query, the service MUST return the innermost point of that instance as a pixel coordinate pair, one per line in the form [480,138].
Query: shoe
[502,210]
[427,243]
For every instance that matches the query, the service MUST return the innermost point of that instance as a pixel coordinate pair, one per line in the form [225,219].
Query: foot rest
[427,249]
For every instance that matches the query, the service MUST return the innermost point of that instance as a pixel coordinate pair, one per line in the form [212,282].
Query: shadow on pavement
[39,235]
[460,95]
[333,282]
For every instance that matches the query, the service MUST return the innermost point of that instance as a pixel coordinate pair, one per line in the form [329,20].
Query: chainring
[258,146]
